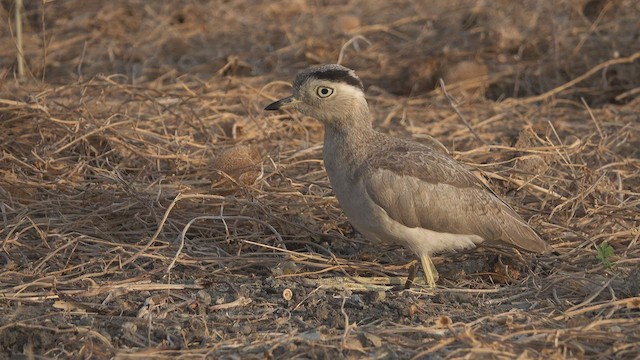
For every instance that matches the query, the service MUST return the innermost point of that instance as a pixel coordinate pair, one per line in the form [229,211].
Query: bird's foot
[430,272]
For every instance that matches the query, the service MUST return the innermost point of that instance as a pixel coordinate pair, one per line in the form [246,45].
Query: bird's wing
[419,187]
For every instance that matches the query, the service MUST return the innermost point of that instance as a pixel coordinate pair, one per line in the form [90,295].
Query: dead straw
[101,173]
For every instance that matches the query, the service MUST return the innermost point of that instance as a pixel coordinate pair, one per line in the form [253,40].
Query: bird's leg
[430,272]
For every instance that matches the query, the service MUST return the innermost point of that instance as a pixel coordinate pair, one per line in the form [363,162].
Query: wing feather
[419,187]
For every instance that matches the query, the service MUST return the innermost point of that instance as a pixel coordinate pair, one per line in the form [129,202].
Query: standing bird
[397,190]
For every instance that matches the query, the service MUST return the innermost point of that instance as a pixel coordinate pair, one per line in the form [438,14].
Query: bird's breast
[347,179]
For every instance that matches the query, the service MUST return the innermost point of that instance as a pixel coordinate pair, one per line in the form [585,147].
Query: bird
[396,190]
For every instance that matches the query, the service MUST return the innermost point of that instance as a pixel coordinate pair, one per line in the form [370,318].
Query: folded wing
[420,187]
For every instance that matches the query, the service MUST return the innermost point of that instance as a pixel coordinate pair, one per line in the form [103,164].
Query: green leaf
[603,252]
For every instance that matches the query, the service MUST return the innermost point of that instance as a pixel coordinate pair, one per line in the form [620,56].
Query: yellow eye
[324,91]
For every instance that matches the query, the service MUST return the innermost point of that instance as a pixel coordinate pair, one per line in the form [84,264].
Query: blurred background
[519,48]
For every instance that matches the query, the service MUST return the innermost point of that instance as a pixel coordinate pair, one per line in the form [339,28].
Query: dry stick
[349,42]
[98,290]
[522,183]
[344,283]
[157,233]
[44,41]
[592,28]
[562,147]
[18,13]
[580,195]
[217,217]
[591,297]
[347,325]
[627,94]
[313,257]
[333,257]
[89,134]
[306,298]
[178,197]
[543,150]
[241,301]
[307,274]
[595,121]
[388,27]
[453,105]
[630,303]
[575,81]
[441,344]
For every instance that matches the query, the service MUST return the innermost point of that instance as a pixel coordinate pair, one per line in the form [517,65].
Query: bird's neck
[346,147]
[353,125]
[349,133]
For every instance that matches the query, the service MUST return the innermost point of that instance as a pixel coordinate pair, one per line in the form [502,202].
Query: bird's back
[419,186]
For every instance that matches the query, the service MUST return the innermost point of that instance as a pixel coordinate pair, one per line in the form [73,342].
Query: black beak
[282,103]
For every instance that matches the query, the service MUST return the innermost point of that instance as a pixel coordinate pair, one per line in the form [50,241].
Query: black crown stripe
[338,75]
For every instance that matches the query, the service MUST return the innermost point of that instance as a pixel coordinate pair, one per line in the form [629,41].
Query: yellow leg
[430,272]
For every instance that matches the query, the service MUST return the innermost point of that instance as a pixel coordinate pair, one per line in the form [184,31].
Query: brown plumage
[421,187]
[396,190]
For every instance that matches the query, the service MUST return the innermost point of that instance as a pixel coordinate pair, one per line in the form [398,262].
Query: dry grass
[150,208]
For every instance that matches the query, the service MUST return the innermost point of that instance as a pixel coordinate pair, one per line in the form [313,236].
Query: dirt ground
[151,208]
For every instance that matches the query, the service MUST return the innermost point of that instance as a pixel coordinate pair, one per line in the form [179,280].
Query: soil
[151,208]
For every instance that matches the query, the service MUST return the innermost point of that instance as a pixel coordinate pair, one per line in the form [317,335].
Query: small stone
[203,297]
[289,267]
[129,327]
[615,329]
[379,296]
[413,309]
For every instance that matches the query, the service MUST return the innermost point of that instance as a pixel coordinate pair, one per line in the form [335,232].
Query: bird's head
[330,93]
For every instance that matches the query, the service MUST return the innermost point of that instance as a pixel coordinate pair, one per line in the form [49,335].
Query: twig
[18,14]
[592,296]
[522,183]
[631,303]
[628,93]
[431,349]
[453,105]
[595,121]
[217,217]
[157,233]
[345,283]
[241,301]
[44,40]
[349,42]
[579,79]
[389,27]
[95,291]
